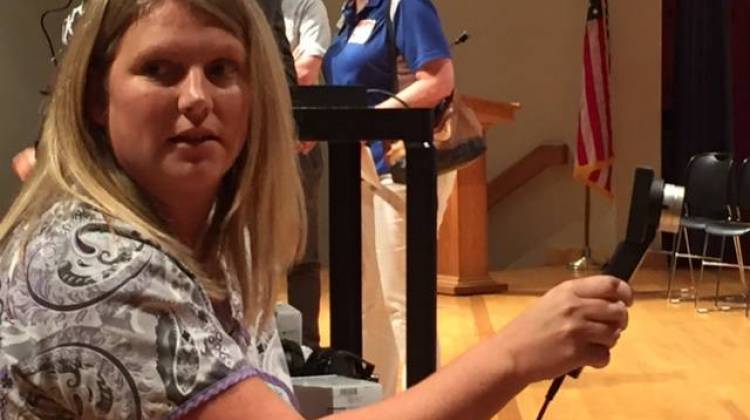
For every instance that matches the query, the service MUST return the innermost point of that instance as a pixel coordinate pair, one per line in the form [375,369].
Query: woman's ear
[96,98]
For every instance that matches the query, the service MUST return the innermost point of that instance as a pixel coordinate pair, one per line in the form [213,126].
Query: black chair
[707,199]
[735,230]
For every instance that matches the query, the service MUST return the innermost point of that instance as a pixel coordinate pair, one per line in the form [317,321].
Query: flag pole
[585,262]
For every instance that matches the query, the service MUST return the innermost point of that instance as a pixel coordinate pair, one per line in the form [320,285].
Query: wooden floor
[671,363]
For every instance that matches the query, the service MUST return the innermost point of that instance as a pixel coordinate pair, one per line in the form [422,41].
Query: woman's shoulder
[88,297]
[76,226]
[76,256]
[71,220]
[71,230]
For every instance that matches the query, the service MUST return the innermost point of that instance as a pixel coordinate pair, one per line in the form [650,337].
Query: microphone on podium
[462,38]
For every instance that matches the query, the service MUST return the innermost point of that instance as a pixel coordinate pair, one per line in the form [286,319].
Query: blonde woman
[138,264]
[23,162]
[166,156]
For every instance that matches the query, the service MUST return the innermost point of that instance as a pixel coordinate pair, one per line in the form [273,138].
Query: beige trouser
[384,269]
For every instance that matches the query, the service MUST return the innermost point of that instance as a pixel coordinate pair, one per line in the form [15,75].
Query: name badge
[362,31]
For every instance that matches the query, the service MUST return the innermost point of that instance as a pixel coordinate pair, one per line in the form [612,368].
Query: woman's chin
[196,168]
[190,177]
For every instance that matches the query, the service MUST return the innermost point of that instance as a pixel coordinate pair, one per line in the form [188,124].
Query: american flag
[594,154]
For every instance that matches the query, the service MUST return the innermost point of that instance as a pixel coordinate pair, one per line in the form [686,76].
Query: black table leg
[421,263]
[345,229]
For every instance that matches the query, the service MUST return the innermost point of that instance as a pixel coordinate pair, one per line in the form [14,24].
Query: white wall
[636,37]
[531,52]
[520,50]
[24,70]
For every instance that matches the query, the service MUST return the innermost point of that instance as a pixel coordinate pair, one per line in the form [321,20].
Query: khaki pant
[384,269]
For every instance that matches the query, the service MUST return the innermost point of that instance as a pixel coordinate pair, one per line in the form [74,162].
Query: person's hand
[23,163]
[396,152]
[305,147]
[575,324]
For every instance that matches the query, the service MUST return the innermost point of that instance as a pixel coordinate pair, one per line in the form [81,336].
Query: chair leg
[673,268]
[741,267]
[740,260]
[700,278]
[718,272]
[690,258]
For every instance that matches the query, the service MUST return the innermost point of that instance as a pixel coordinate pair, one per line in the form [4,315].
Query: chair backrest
[709,182]
[743,189]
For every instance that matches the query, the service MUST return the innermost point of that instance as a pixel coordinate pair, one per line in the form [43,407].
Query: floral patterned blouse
[96,322]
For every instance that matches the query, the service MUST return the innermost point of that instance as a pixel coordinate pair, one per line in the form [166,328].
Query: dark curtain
[701,103]
[697,84]
[740,24]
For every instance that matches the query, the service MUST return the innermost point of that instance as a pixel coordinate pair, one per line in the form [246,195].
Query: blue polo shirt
[360,55]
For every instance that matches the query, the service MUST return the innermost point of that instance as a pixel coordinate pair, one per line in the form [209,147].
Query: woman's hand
[396,152]
[573,325]
[305,147]
[23,163]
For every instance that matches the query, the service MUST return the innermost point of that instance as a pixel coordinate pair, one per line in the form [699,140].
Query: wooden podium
[462,244]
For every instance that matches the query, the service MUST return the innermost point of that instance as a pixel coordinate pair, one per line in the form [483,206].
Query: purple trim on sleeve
[217,388]
[280,384]
[211,391]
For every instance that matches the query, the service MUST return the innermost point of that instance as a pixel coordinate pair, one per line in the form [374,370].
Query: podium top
[491,113]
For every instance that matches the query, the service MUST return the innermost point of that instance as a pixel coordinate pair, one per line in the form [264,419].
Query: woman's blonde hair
[260,197]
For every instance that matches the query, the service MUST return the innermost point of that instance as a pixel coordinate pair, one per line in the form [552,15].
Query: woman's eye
[222,71]
[162,71]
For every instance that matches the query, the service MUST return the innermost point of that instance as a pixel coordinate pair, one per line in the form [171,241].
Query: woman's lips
[192,140]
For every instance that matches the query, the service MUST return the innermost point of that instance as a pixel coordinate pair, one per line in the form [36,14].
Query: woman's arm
[308,69]
[574,324]
[434,83]
[247,400]
[314,40]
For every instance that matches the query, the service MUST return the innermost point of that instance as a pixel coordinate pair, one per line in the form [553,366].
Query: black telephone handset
[654,206]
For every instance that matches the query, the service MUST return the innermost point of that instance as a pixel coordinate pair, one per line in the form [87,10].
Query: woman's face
[177,102]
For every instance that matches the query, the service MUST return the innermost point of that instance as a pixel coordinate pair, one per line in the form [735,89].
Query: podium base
[465,286]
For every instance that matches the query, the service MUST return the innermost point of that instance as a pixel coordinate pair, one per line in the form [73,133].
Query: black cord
[388,94]
[53,55]
[553,388]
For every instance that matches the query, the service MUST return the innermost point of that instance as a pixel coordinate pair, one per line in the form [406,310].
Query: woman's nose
[195,101]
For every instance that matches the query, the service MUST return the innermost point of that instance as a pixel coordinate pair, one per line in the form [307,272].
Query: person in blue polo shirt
[364,54]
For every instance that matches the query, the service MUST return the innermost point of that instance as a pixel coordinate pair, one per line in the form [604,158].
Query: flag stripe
[594,142]
[593,90]
[605,65]
[588,131]
[603,94]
